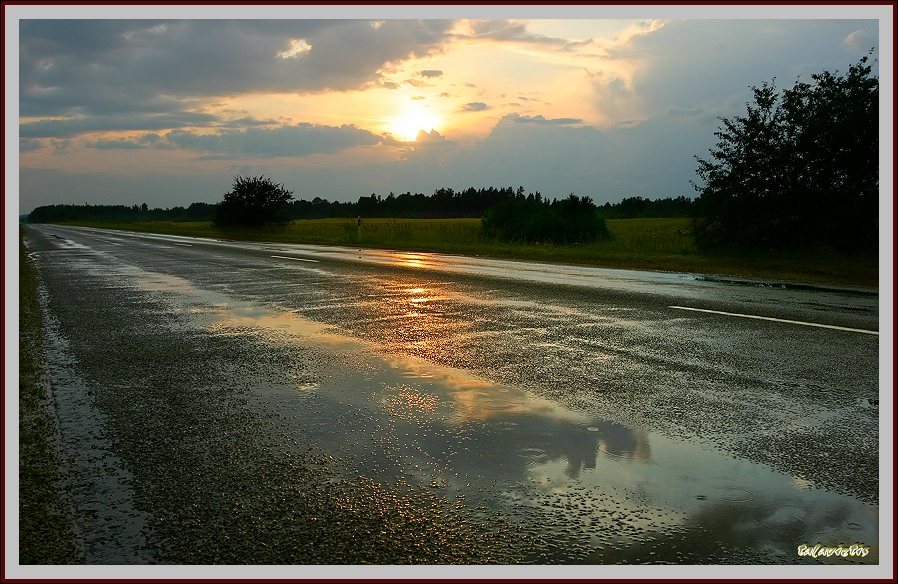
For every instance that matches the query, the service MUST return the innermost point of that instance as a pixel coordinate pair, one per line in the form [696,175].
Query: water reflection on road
[696,287]
[600,489]
[599,422]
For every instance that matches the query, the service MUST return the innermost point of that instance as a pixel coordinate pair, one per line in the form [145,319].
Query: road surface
[232,402]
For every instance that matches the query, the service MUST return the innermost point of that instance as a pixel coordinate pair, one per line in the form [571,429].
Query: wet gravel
[219,484]
[235,443]
[769,393]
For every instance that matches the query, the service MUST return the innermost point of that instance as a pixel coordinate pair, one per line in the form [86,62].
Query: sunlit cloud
[474,106]
[615,99]
[418,83]
[413,119]
[859,40]
[298,47]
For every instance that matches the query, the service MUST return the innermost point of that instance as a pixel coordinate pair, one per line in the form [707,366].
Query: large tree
[799,169]
[252,202]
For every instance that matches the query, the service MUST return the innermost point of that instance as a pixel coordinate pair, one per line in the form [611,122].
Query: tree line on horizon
[444,203]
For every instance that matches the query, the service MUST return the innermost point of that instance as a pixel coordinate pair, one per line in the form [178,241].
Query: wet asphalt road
[273,404]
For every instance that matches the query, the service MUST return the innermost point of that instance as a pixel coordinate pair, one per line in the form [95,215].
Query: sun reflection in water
[407,403]
[475,399]
[411,260]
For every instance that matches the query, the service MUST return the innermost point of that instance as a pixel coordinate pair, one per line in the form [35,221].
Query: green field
[649,244]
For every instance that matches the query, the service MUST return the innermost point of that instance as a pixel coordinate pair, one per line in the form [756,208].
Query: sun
[413,119]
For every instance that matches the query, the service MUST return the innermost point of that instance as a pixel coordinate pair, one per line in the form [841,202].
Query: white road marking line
[829,326]
[297,259]
[183,244]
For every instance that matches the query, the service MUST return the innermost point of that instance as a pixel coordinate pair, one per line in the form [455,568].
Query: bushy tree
[533,219]
[799,169]
[253,202]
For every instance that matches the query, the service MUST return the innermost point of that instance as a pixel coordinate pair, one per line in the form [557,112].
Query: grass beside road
[46,534]
[646,244]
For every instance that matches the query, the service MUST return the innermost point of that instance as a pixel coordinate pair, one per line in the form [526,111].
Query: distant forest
[444,203]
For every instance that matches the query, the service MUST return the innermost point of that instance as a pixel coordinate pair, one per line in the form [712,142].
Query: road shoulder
[46,534]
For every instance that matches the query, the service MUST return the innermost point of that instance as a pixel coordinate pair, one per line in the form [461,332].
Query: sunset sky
[166,111]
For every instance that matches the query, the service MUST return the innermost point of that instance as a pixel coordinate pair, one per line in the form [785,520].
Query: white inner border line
[829,326]
[297,259]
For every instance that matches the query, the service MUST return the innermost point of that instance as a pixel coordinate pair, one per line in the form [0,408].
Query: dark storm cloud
[515,32]
[538,119]
[138,142]
[474,106]
[208,57]
[29,144]
[682,56]
[298,140]
[248,122]
[116,145]
[72,127]
[97,68]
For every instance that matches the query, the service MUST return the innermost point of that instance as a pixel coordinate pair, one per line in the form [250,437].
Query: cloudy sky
[167,111]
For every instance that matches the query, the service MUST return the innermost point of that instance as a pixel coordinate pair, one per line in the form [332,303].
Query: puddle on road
[600,491]
[603,491]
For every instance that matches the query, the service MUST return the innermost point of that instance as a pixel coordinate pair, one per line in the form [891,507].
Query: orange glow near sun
[413,119]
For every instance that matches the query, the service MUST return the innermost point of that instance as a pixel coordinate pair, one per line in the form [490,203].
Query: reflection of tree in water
[507,447]
[614,440]
[619,441]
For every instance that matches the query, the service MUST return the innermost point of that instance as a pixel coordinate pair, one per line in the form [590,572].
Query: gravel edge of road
[46,528]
